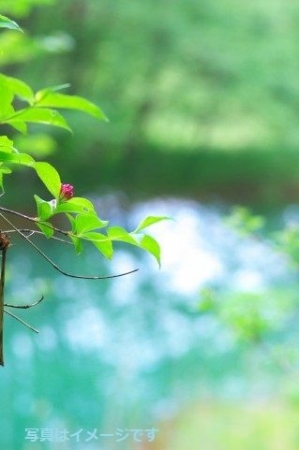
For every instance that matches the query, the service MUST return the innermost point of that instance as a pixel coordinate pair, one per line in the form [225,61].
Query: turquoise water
[120,355]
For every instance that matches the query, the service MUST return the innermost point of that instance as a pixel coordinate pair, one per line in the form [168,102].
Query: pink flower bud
[66,192]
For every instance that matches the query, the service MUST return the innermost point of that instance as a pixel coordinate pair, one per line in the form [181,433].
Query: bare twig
[25,306]
[22,321]
[56,267]
[33,219]
[32,232]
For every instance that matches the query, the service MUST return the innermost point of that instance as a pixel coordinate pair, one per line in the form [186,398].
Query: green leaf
[6,95]
[72,222]
[44,209]
[5,22]
[101,241]
[120,234]
[150,244]
[150,220]
[19,88]
[6,145]
[49,176]
[1,180]
[88,222]
[48,90]
[6,148]
[46,228]
[5,170]
[19,126]
[38,115]
[76,205]
[77,243]
[52,99]
[16,158]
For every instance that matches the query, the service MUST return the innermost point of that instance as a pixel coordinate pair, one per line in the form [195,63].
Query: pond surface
[123,354]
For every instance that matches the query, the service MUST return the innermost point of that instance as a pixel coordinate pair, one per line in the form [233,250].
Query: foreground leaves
[40,108]
[5,22]
[85,226]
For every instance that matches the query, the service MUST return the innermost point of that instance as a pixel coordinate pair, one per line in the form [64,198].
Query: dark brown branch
[4,243]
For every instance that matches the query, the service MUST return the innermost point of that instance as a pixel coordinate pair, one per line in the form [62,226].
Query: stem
[56,267]
[24,306]
[22,321]
[2,304]
[4,243]
[32,219]
[32,232]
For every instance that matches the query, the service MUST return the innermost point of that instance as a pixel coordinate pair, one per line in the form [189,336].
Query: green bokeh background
[202,98]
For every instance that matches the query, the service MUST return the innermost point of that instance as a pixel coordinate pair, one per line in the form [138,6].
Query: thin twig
[22,321]
[56,267]
[25,306]
[33,219]
[32,232]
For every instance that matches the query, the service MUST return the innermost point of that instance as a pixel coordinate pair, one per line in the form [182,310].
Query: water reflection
[127,352]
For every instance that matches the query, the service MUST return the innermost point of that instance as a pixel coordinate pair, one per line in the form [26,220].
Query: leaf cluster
[21,106]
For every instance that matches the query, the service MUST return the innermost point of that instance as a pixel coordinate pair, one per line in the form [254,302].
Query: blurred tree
[177,76]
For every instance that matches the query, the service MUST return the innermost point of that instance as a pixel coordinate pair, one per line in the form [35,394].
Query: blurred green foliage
[185,75]
[202,101]
[226,426]
[256,317]
[20,106]
[20,8]
[185,84]
[244,222]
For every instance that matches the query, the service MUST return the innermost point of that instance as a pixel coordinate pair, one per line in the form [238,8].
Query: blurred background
[202,99]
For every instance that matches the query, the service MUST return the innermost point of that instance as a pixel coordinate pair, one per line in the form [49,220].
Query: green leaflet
[19,126]
[4,169]
[16,158]
[50,99]
[150,220]
[120,234]
[44,92]
[8,154]
[6,95]
[150,244]
[76,205]
[45,210]
[1,181]
[19,88]
[101,241]
[40,105]
[142,241]
[46,228]
[43,116]
[87,222]
[77,244]
[6,145]
[5,22]
[49,176]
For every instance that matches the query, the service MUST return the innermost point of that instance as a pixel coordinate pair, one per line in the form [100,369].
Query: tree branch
[25,306]
[56,267]
[22,321]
